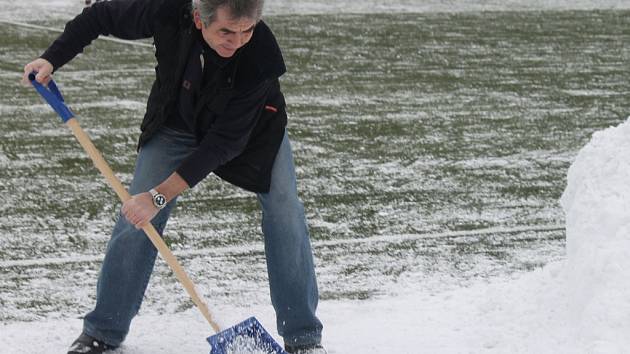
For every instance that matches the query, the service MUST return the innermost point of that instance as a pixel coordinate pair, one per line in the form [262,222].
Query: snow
[250,345]
[578,305]
[425,6]
[43,10]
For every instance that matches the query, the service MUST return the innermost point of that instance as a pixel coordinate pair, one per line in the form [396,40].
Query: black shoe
[309,349]
[88,345]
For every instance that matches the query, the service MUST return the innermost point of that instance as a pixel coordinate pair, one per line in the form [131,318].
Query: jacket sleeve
[227,137]
[126,19]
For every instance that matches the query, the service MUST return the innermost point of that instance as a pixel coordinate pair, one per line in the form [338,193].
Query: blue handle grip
[53,97]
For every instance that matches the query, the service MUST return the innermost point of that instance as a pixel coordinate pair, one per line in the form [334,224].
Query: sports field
[431,148]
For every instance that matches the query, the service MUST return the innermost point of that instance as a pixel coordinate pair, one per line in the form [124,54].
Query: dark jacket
[240,115]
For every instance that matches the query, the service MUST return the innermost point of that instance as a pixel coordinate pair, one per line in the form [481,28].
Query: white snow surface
[43,10]
[578,305]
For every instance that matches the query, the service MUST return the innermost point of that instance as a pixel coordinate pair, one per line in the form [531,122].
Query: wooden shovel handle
[151,232]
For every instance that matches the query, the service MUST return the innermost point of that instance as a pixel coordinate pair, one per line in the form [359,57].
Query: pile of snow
[597,207]
[582,304]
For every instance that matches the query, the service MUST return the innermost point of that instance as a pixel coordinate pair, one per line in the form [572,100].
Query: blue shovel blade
[246,337]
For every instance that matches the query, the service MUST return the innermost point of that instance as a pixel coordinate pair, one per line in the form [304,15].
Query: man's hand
[43,68]
[139,210]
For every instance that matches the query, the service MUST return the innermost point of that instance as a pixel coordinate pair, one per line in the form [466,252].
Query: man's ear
[197,19]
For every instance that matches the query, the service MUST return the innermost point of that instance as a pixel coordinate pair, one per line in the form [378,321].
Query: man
[89,2]
[215,107]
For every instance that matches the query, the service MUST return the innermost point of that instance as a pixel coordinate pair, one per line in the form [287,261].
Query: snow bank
[582,304]
[597,207]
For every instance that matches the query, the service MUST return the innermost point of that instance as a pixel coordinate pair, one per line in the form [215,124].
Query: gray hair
[238,8]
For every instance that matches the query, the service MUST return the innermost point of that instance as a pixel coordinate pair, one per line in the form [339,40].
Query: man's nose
[237,39]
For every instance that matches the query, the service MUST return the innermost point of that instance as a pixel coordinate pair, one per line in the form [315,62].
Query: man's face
[226,35]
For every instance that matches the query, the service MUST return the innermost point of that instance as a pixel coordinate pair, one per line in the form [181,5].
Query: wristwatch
[159,200]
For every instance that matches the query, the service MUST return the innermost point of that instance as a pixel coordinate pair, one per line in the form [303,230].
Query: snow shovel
[248,336]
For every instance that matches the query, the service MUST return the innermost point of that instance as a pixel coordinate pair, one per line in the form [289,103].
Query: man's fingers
[43,68]
[131,217]
[124,209]
[42,77]
[27,71]
[138,221]
[137,213]
[141,224]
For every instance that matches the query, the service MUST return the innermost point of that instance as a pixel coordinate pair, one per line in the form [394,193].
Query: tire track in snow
[258,246]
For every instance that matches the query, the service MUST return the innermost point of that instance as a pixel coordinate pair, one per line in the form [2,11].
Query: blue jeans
[130,255]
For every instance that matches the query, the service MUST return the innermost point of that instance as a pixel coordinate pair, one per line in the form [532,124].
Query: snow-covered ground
[42,10]
[380,6]
[579,305]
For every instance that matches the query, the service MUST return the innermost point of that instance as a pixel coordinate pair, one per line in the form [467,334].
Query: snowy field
[464,190]
[29,10]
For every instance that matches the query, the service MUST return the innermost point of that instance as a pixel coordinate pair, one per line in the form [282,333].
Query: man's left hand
[139,210]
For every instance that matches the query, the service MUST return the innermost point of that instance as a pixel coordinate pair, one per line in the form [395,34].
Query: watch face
[159,200]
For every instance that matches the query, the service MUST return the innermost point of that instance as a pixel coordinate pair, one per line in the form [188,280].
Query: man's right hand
[43,68]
